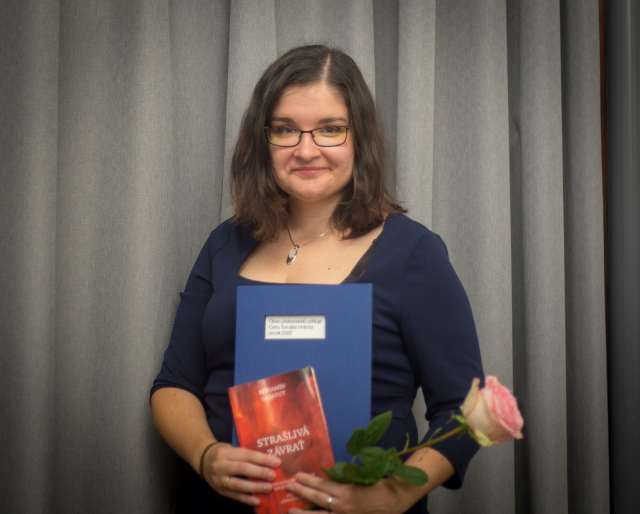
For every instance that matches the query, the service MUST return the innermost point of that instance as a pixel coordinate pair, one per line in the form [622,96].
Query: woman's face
[307,172]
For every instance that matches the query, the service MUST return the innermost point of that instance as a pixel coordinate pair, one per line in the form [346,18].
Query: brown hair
[260,204]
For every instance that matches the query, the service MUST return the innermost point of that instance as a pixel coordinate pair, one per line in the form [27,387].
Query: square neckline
[370,252]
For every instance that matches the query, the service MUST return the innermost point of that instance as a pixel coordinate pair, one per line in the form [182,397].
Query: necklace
[294,251]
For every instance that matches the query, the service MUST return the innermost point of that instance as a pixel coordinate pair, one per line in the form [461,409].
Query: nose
[307,149]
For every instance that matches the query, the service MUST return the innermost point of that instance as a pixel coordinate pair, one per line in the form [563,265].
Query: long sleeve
[442,343]
[184,364]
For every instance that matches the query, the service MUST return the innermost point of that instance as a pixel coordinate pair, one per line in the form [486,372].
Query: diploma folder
[341,360]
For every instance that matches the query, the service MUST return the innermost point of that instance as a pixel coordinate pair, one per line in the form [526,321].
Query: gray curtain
[623,105]
[117,122]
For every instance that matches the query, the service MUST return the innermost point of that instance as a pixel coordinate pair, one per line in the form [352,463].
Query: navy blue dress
[423,336]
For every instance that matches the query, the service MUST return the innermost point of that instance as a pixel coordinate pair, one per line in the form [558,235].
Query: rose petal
[491,413]
[472,397]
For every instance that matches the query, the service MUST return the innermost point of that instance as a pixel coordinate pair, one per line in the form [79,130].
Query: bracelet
[204,452]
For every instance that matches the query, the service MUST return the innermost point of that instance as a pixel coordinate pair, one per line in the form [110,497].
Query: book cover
[328,327]
[282,416]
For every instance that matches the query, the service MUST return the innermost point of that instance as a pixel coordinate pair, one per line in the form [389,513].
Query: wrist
[397,498]
[402,497]
[206,450]
[196,450]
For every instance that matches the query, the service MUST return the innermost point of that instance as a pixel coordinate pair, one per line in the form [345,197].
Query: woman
[308,177]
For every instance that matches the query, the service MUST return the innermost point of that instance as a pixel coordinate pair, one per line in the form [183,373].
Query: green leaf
[336,473]
[356,441]
[331,475]
[392,466]
[355,474]
[390,454]
[411,474]
[370,454]
[376,428]
[338,468]
[376,469]
[352,472]
[400,484]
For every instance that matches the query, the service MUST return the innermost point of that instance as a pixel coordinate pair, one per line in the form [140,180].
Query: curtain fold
[623,135]
[415,107]
[117,123]
[471,206]
[535,96]
[199,36]
[114,271]
[28,177]
[584,260]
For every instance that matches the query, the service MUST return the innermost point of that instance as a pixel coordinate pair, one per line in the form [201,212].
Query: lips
[308,171]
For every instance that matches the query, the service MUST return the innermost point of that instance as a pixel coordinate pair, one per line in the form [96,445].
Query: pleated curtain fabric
[117,123]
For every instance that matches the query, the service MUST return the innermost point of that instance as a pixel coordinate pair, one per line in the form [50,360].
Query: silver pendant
[292,255]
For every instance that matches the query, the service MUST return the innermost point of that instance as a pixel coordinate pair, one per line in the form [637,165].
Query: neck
[310,219]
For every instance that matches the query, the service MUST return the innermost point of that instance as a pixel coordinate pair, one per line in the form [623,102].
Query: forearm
[435,465]
[182,422]
[384,497]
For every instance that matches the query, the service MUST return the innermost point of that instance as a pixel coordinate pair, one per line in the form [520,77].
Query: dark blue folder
[342,360]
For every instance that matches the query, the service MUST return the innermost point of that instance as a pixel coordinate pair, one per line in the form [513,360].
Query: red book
[282,415]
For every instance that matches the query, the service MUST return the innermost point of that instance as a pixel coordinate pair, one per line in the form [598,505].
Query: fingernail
[255,501]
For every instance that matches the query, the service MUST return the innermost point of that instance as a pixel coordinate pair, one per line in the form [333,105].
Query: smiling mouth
[308,170]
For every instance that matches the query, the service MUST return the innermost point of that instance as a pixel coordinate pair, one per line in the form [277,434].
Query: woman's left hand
[335,497]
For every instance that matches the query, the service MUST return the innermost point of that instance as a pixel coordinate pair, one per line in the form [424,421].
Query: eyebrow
[323,120]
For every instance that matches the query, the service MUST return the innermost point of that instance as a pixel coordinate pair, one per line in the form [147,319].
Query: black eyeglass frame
[346,135]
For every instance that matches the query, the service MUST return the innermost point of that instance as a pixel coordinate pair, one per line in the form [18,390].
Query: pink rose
[491,413]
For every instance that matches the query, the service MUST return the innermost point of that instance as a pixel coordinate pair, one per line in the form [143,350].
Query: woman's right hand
[227,470]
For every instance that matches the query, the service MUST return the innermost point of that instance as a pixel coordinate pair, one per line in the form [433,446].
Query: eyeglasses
[325,136]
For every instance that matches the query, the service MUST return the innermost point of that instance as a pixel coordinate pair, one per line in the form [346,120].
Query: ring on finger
[224,486]
[329,500]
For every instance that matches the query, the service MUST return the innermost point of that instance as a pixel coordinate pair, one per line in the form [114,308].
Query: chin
[315,197]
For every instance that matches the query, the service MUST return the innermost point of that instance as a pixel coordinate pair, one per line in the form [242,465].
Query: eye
[283,131]
[331,130]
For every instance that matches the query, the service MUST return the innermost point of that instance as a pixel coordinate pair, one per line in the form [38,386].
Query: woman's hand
[227,469]
[181,420]
[383,497]
[380,498]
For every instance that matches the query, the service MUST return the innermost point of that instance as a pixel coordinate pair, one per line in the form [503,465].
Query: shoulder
[412,236]
[225,246]
[228,232]
[406,251]
[222,233]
